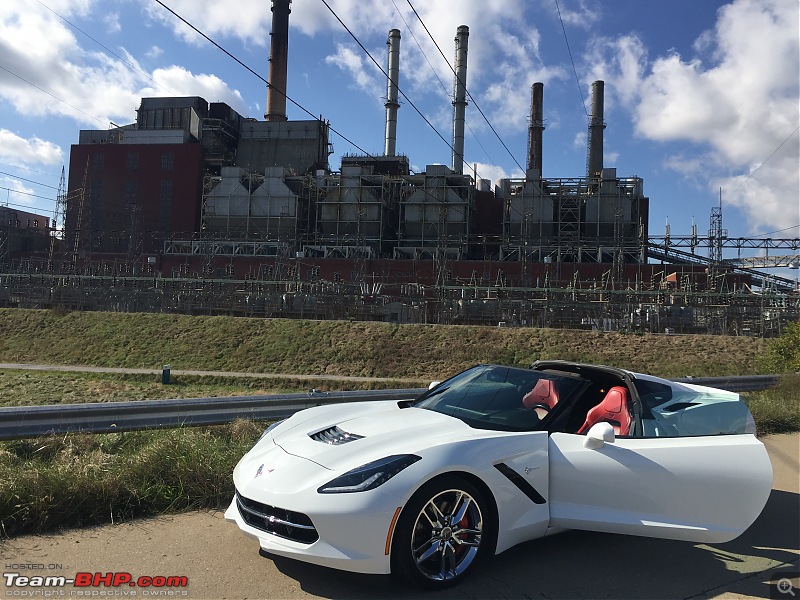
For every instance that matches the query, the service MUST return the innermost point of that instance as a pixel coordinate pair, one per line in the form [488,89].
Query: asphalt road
[220,562]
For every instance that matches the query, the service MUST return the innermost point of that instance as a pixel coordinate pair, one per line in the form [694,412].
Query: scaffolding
[435,215]
[274,206]
[353,217]
[574,220]
[674,304]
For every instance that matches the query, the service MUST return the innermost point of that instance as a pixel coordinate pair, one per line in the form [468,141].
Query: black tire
[444,530]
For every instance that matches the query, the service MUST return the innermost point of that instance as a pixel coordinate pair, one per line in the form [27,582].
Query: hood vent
[334,436]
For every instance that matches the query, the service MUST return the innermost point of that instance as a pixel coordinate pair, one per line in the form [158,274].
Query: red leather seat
[613,409]
[542,398]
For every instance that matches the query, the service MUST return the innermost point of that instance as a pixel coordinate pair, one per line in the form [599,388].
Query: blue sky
[700,95]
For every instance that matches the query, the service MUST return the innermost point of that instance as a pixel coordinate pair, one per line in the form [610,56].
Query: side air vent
[334,436]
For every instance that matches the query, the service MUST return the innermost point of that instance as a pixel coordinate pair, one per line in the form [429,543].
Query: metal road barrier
[107,417]
[747,383]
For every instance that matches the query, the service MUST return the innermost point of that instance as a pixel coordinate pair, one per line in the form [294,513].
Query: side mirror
[598,435]
[433,384]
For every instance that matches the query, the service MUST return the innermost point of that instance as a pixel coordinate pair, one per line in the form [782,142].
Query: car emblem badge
[261,471]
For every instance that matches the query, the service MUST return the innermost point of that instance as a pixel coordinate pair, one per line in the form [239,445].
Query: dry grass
[82,479]
[776,410]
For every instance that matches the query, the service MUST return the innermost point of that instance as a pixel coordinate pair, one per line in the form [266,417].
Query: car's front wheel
[442,532]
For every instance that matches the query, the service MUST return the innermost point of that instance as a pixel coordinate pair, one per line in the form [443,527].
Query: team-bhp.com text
[95,584]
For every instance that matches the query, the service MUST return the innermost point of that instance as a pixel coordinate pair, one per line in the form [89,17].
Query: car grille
[283,523]
[334,436]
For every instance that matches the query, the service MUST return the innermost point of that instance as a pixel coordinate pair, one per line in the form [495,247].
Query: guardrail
[747,383]
[30,421]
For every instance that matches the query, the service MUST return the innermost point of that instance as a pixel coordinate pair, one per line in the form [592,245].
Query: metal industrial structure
[195,208]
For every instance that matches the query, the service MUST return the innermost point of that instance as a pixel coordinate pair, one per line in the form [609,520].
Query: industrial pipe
[391,93]
[278,61]
[460,98]
[594,154]
[535,129]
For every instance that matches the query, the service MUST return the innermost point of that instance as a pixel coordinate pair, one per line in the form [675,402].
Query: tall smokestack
[460,98]
[535,129]
[278,60]
[594,154]
[391,93]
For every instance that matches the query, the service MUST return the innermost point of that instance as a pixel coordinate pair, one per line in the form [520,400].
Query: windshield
[676,410]
[501,398]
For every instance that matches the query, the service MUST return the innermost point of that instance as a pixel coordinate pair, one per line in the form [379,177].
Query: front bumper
[348,539]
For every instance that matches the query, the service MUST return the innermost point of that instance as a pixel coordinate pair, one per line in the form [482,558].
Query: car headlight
[270,428]
[369,476]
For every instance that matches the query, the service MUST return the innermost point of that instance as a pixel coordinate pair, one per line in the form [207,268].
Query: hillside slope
[345,348]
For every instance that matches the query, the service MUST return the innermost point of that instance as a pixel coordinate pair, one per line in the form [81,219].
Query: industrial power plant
[194,208]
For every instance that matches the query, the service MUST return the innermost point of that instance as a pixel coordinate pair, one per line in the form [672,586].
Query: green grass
[80,479]
[39,388]
[776,410]
[83,479]
[75,480]
[371,349]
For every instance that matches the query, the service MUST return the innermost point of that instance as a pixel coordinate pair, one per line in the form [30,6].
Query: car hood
[353,434]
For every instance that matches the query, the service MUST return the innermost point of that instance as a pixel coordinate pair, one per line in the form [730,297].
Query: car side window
[652,393]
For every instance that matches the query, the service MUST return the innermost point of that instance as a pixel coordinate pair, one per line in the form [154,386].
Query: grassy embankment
[370,349]
[75,480]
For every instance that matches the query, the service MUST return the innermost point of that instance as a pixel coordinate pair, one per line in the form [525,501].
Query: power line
[474,102]
[574,70]
[25,207]
[106,48]
[31,194]
[425,56]
[778,231]
[28,180]
[441,83]
[51,95]
[380,68]
[108,207]
[269,86]
[29,169]
[754,171]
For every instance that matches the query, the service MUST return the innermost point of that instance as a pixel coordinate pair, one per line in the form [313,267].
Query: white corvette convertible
[496,456]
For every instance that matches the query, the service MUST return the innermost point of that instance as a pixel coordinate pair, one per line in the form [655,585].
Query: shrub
[783,353]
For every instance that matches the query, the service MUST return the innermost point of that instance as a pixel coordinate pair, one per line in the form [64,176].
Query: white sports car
[496,456]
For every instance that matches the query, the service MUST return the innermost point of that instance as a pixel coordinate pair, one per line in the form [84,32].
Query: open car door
[703,489]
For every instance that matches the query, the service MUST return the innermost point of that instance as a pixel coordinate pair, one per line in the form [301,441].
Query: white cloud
[736,101]
[20,193]
[770,196]
[689,166]
[112,22]
[621,63]
[249,21]
[17,150]
[47,72]
[362,71]
[186,83]
[490,172]
[503,48]
[582,16]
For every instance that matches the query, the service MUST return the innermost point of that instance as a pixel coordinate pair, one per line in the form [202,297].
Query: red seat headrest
[613,409]
[544,393]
